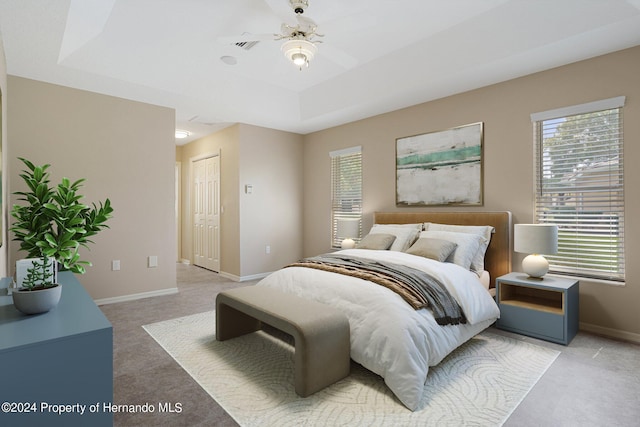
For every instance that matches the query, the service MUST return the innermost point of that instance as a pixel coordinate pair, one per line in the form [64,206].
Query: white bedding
[485,279]
[388,336]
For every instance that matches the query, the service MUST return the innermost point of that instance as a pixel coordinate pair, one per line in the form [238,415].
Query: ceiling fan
[300,37]
[299,46]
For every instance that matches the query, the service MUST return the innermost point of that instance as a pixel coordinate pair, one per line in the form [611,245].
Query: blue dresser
[56,361]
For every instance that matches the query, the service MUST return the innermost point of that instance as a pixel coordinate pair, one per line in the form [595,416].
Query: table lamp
[535,240]
[347,229]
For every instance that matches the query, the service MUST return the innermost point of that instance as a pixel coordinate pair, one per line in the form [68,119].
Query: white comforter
[388,336]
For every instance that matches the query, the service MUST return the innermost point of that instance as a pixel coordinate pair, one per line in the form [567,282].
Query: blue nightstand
[542,308]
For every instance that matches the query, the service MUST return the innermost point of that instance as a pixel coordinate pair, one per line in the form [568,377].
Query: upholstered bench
[320,332]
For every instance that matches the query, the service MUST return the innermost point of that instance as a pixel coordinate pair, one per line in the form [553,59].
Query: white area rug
[251,377]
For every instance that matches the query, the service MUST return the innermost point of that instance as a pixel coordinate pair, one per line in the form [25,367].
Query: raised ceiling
[376,56]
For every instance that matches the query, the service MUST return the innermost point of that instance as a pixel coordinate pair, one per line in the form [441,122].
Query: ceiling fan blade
[282,9]
[349,24]
[246,37]
[338,56]
[305,21]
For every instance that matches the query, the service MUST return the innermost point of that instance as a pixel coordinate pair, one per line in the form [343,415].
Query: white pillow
[405,234]
[468,245]
[477,264]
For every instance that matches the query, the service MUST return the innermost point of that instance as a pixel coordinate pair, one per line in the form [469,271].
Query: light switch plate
[152,261]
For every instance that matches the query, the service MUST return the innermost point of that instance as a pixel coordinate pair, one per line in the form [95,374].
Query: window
[346,190]
[580,188]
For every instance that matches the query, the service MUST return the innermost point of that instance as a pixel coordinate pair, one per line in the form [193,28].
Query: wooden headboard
[498,256]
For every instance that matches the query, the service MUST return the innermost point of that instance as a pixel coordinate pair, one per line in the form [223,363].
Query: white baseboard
[132,297]
[254,277]
[609,332]
[243,278]
[229,276]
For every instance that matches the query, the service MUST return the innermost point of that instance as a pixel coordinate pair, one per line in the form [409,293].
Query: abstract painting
[440,168]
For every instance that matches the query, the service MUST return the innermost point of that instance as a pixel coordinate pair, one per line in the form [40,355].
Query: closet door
[206,213]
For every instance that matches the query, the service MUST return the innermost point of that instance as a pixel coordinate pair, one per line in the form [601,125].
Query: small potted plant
[51,226]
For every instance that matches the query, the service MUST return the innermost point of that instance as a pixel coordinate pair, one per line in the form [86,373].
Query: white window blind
[580,187]
[346,190]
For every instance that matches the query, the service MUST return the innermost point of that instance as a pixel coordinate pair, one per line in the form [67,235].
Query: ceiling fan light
[299,59]
[299,51]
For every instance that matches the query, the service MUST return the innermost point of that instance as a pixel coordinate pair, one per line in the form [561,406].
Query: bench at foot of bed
[320,332]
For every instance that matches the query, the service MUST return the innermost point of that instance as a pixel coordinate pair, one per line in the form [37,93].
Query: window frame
[591,234]
[346,197]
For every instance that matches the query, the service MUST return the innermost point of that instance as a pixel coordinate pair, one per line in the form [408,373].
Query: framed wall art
[440,168]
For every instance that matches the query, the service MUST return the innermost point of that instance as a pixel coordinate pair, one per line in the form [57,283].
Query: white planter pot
[35,302]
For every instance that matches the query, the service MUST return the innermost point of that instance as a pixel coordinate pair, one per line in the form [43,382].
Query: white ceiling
[376,56]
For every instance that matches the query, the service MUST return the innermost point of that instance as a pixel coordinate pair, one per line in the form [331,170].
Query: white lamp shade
[536,239]
[348,229]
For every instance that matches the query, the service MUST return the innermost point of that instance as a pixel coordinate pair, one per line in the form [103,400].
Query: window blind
[346,190]
[580,188]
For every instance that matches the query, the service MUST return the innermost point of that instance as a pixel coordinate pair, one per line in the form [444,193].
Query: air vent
[247,45]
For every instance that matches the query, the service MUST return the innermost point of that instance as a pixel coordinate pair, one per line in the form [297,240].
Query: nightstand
[542,308]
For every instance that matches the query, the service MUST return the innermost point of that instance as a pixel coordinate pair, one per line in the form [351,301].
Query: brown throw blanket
[418,288]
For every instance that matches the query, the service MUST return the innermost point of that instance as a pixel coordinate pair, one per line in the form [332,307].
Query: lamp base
[535,266]
[348,244]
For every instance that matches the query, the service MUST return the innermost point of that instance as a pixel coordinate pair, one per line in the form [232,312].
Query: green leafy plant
[54,223]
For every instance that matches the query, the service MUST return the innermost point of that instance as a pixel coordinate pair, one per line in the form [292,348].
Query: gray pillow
[468,245]
[378,241]
[437,249]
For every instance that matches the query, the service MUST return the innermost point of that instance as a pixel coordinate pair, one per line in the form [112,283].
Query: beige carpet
[251,377]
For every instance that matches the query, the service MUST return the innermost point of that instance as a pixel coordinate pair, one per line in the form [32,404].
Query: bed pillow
[379,241]
[477,264]
[437,249]
[405,234]
[468,245]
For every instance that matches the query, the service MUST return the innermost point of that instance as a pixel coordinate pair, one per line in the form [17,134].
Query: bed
[388,335]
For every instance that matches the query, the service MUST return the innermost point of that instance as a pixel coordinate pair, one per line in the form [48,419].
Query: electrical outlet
[267,249]
[152,262]
[115,265]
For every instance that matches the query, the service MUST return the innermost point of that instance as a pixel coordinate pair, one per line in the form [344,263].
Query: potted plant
[51,226]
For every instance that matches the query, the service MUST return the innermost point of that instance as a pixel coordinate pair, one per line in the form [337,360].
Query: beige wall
[270,161]
[126,151]
[505,109]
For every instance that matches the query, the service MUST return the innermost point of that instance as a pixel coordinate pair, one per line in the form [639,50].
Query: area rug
[251,377]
